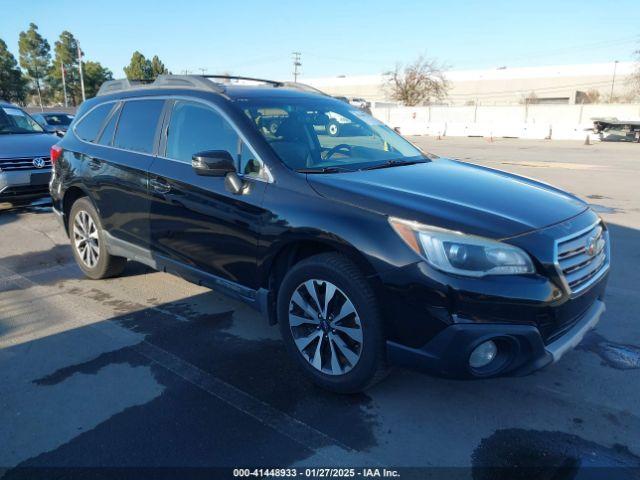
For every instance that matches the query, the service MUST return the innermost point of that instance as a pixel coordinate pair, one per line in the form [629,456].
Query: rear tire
[88,244]
[339,351]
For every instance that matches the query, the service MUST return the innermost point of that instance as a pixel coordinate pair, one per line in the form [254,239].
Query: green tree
[13,86]
[139,68]
[66,54]
[157,67]
[94,76]
[35,56]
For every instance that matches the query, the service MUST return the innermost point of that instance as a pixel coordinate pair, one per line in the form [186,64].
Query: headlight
[468,255]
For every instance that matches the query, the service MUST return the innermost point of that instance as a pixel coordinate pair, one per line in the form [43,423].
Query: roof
[233,87]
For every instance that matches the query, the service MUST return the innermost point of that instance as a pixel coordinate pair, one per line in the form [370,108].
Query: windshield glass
[326,134]
[58,119]
[14,120]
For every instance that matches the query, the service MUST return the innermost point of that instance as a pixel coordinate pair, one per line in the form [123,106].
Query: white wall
[563,122]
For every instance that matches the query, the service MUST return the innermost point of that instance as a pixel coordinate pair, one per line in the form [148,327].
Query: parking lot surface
[149,370]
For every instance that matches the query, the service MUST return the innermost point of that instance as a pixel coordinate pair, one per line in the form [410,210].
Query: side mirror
[213,163]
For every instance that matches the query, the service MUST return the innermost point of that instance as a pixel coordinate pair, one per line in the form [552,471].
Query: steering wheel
[336,149]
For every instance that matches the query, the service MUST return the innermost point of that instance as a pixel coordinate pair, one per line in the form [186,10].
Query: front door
[195,222]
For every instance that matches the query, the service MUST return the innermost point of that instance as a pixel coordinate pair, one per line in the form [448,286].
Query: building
[560,84]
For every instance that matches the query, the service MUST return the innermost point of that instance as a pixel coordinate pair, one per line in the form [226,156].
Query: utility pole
[613,80]
[64,86]
[296,64]
[203,70]
[80,55]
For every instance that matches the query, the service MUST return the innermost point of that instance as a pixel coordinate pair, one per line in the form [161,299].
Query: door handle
[159,186]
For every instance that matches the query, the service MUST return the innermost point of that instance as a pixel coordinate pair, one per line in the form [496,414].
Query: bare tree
[422,81]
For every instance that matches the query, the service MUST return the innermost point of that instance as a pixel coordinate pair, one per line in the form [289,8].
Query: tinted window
[137,125]
[89,126]
[196,128]
[107,133]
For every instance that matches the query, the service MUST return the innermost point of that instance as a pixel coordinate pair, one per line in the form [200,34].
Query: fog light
[483,354]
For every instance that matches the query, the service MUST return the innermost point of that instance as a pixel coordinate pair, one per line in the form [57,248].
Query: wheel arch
[294,251]
[72,194]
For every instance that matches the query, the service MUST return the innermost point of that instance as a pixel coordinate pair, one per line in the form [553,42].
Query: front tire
[331,324]
[88,244]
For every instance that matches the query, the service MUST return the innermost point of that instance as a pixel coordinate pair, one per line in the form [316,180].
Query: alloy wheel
[85,237]
[326,327]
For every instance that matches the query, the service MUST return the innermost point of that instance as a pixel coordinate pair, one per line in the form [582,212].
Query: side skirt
[121,248]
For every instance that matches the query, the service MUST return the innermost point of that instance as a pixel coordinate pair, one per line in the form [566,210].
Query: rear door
[118,167]
[195,221]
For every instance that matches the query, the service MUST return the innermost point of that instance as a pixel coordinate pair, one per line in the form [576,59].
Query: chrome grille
[583,257]
[11,164]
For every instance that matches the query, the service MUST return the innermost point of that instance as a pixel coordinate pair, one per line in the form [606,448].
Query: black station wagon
[365,251]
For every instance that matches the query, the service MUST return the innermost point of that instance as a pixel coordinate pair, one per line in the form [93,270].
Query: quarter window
[137,126]
[107,133]
[90,125]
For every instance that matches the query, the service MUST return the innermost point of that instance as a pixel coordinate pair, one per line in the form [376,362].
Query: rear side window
[90,125]
[137,126]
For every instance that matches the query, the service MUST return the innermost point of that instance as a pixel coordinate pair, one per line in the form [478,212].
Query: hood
[26,145]
[453,195]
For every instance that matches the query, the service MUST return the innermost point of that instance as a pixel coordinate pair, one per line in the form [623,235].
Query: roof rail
[275,83]
[111,86]
[304,87]
[192,81]
[201,82]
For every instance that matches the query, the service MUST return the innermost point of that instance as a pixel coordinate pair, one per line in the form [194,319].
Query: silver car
[25,164]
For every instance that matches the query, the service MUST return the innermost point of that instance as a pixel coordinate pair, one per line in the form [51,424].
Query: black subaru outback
[364,250]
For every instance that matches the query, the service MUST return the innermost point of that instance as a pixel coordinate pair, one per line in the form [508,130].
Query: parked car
[360,103]
[54,122]
[25,166]
[364,251]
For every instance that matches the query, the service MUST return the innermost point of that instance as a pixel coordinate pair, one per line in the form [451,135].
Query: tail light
[56,151]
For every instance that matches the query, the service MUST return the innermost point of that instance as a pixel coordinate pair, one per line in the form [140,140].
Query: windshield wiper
[394,163]
[323,170]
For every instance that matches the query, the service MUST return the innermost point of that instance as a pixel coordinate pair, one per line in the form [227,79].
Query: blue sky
[248,37]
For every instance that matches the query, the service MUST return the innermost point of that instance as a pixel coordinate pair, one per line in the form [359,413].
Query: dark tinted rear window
[90,125]
[137,125]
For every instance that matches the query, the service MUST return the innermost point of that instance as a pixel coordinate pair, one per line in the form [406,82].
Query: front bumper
[22,184]
[524,350]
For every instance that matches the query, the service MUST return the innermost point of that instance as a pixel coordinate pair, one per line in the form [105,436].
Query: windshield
[58,119]
[326,135]
[14,120]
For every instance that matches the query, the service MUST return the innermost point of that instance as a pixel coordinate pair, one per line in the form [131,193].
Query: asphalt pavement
[147,370]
